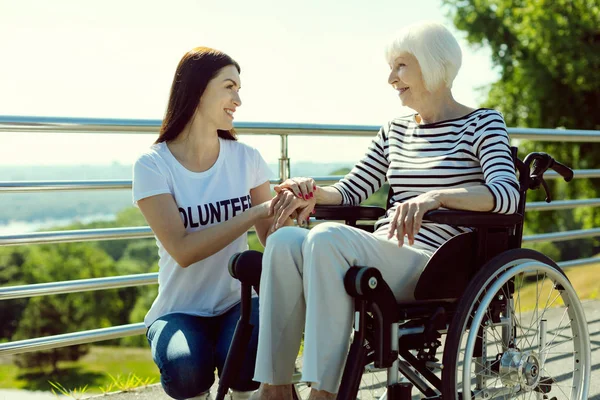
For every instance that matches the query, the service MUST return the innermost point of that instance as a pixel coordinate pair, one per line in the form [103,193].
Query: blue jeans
[187,349]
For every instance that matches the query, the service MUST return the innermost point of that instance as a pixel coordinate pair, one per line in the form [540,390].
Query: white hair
[434,47]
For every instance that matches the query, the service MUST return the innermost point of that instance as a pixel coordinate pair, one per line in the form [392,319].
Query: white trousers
[302,290]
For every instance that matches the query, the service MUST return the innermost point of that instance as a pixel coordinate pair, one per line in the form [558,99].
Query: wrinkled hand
[286,204]
[303,188]
[408,217]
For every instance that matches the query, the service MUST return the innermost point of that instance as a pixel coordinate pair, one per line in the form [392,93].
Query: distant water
[15,227]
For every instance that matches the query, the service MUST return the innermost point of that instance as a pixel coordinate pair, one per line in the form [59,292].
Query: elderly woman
[446,155]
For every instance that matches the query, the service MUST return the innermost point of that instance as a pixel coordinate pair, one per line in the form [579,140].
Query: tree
[144,300]
[11,274]
[548,55]
[57,314]
[139,257]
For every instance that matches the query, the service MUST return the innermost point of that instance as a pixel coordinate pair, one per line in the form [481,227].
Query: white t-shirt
[204,199]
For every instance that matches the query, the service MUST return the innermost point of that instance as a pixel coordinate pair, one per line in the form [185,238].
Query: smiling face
[221,98]
[406,77]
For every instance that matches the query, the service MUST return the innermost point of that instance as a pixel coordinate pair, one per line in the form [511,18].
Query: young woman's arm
[259,195]
[186,248]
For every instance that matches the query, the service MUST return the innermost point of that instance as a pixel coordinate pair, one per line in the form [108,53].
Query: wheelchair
[496,304]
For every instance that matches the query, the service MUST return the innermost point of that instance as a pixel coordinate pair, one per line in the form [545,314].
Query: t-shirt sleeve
[148,180]
[262,171]
[369,174]
[493,150]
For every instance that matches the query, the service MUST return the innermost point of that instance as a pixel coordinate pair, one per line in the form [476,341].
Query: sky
[314,61]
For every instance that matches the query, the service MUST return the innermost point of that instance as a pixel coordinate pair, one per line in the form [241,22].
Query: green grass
[584,280]
[94,370]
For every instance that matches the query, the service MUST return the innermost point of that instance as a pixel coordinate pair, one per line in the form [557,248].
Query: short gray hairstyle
[435,48]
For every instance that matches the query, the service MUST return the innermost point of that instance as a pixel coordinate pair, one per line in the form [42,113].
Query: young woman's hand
[287,204]
[264,209]
[303,188]
[408,217]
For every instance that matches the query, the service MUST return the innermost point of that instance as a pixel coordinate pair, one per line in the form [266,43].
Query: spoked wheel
[519,332]
[372,384]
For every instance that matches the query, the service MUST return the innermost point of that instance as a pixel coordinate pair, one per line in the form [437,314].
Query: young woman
[445,155]
[200,190]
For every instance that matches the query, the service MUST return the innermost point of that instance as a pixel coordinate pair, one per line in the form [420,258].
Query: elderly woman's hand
[286,204]
[409,215]
[302,187]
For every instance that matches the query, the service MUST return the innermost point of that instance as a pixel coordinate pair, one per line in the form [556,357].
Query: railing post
[284,161]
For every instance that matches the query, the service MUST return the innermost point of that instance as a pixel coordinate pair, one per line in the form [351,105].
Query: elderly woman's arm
[475,198]
[367,176]
[408,216]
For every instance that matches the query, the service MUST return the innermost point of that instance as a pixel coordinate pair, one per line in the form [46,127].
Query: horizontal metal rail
[144,232]
[112,184]
[79,285]
[54,186]
[582,262]
[562,236]
[561,204]
[44,186]
[577,174]
[71,339]
[97,335]
[79,235]
[15,123]
[124,281]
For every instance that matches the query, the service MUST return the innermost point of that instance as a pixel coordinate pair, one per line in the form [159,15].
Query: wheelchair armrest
[348,213]
[473,219]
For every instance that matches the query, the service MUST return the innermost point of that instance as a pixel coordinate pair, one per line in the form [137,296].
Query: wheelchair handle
[538,163]
[541,162]
[563,170]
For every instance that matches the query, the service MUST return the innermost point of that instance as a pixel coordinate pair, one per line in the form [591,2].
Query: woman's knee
[182,350]
[187,377]
[285,237]
[284,246]
[329,235]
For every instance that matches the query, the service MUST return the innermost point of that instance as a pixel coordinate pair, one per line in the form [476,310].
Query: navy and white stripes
[467,151]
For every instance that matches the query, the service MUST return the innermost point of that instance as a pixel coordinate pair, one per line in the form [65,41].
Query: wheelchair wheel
[519,332]
[372,384]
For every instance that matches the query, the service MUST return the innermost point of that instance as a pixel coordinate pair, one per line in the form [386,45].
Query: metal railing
[96,125]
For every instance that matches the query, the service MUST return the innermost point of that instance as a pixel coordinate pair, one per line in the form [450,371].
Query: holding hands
[296,198]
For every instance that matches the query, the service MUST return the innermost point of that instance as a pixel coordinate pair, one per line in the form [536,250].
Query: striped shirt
[467,151]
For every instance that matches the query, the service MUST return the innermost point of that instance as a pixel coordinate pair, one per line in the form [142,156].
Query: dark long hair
[195,70]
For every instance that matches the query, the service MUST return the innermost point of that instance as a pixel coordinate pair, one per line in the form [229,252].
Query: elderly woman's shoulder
[489,112]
